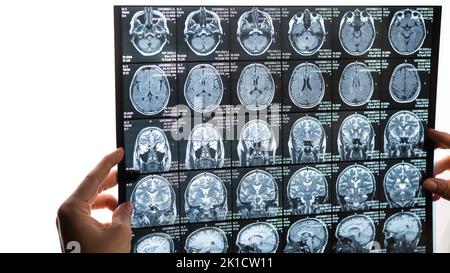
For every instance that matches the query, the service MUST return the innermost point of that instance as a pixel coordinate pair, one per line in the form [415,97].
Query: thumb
[438,186]
[122,214]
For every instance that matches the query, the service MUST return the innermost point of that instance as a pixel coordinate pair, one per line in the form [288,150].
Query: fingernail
[431,185]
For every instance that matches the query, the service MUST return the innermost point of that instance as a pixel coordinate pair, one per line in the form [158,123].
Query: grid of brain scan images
[276,129]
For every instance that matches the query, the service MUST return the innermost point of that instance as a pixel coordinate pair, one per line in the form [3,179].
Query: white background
[57,107]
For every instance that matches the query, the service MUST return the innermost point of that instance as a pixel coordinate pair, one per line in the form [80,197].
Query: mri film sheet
[277,129]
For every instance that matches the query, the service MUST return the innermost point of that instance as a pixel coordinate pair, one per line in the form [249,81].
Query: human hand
[439,187]
[74,221]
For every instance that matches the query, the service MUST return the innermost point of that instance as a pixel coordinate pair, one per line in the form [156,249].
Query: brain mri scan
[205,149]
[206,199]
[407,31]
[149,90]
[257,195]
[306,32]
[357,32]
[306,85]
[307,141]
[206,240]
[256,87]
[258,237]
[203,88]
[405,83]
[257,144]
[154,202]
[149,31]
[307,190]
[402,185]
[355,234]
[155,243]
[356,84]
[152,151]
[255,31]
[402,232]
[355,187]
[307,236]
[403,135]
[203,31]
[356,138]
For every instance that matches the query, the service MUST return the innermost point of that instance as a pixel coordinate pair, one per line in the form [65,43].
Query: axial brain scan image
[307,190]
[306,85]
[307,236]
[203,88]
[149,31]
[152,151]
[257,144]
[154,202]
[403,135]
[256,87]
[206,240]
[402,232]
[356,84]
[206,199]
[257,195]
[205,149]
[203,31]
[357,32]
[355,187]
[355,234]
[255,31]
[149,90]
[307,141]
[356,138]
[306,32]
[405,83]
[155,243]
[258,237]
[407,31]
[402,185]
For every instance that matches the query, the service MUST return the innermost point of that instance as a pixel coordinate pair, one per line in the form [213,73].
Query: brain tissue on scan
[357,32]
[405,83]
[206,240]
[355,187]
[356,138]
[356,84]
[306,85]
[307,236]
[355,234]
[307,141]
[255,87]
[255,31]
[155,243]
[402,185]
[258,237]
[306,32]
[152,151]
[402,232]
[407,31]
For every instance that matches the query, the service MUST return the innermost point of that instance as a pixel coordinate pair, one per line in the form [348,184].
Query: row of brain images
[254,31]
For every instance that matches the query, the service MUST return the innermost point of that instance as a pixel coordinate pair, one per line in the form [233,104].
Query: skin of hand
[74,221]
[439,187]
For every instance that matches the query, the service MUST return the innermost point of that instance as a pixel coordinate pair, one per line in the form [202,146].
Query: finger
[109,182]
[441,139]
[438,186]
[122,214]
[105,201]
[436,197]
[88,189]
[442,165]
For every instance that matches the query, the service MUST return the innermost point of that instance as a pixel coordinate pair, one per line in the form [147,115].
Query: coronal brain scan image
[149,31]
[257,144]
[356,138]
[355,186]
[149,90]
[307,236]
[206,240]
[307,141]
[255,31]
[356,84]
[306,85]
[355,234]
[203,31]
[203,88]
[403,135]
[307,190]
[402,185]
[206,199]
[154,202]
[155,243]
[405,83]
[258,237]
[257,195]
[306,32]
[402,232]
[407,31]
[152,151]
[256,87]
[205,149]
[357,32]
